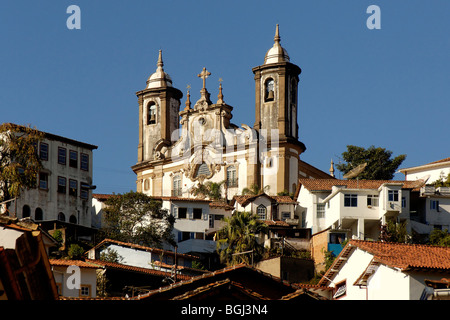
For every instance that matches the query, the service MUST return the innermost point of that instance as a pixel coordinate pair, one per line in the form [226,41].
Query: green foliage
[19,161]
[395,232]
[442,181]
[75,252]
[380,166]
[440,238]
[212,190]
[111,255]
[137,218]
[240,235]
[255,190]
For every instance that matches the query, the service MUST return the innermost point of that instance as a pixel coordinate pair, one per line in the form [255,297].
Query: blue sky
[386,87]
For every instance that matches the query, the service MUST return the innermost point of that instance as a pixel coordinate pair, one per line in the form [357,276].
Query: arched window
[151,109]
[73,219]
[269,90]
[26,211]
[38,214]
[261,212]
[61,217]
[203,169]
[231,177]
[176,191]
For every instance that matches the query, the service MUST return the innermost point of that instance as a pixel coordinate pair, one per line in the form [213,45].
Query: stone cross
[204,74]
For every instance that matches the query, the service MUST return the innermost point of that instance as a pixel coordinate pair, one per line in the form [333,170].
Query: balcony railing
[233,183]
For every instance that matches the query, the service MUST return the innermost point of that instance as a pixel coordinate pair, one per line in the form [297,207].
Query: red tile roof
[137,246]
[407,256]
[125,267]
[397,255]
[246,199]
[327,184]
[78,263]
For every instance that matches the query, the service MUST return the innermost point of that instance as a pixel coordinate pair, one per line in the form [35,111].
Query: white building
[433,171]
[63,194]
[75,278]
[366,270]
[359,208]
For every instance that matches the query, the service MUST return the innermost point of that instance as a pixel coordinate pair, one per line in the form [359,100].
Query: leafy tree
[440,238]
[19,161]
[111,255]
[380,165]
[240,235]
[212,190]
[137,218]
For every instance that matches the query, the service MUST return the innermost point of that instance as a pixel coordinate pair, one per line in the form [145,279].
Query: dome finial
[160,62]
[277,34]
[220,95]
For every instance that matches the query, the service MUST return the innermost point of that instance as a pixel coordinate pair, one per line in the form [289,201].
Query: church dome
[159,78]
[277,53]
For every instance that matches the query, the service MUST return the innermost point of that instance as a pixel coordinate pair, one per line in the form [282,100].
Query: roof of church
[246,199]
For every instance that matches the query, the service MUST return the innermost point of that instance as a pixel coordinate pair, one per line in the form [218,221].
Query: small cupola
[277,53]
[159,78]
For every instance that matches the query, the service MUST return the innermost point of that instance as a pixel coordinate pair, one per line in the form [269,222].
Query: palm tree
[254,190]
[240,235]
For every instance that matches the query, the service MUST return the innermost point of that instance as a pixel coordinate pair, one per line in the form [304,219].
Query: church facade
[181,147]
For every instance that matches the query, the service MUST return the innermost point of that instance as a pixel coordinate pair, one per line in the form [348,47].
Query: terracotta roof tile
[397,255]
[327,184]
[78,263]
[120,266]
[407,256]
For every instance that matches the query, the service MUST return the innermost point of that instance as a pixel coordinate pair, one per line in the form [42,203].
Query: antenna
[355,171]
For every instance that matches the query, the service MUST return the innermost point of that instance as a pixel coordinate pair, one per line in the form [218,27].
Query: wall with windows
[63,189]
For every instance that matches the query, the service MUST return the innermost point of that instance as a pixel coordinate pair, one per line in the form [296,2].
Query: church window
[231,176]
[261,212]
[151,113]
[202,170]
[269,90]
[176,191]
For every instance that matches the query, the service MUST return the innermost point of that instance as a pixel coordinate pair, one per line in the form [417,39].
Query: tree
[212,190]
[440,238]
[240,235]
[380,165]
[137,218]
[19,160]
[394,232]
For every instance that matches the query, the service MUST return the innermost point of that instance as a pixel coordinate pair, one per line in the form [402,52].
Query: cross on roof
[204,74]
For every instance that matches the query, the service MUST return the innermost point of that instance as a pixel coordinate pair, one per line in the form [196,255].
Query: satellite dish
[355,171]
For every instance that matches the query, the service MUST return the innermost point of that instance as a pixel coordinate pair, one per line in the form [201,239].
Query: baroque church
[183,146]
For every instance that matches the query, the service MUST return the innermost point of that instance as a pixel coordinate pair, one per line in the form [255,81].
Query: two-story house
[337,210]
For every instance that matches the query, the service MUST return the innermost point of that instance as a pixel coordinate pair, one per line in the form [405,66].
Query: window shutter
[205,216]
[190,213]
[175,211]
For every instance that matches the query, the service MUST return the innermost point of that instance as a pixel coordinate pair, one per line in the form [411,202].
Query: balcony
[232,183]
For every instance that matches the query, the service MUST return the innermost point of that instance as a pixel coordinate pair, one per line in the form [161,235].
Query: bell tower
[276,96]
[159,105]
